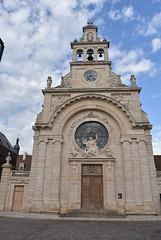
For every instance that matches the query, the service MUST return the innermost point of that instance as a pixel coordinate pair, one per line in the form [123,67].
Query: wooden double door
[92,186]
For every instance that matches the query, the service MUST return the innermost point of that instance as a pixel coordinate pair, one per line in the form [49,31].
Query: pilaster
[128,172]
[110,198]
[136,173]
[4,184]
[55,177]
[38,197]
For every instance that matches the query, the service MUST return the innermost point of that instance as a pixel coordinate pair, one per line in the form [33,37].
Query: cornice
[90,63]
[89,43]
[85,90]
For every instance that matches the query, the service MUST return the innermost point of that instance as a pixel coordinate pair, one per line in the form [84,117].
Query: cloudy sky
[37,36]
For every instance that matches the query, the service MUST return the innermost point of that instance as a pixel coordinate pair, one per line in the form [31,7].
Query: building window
[100,55]
[90,55]
[91,130]
[80,55]
[21,166]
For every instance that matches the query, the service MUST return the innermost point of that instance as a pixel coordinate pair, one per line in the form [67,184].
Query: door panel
[92,188]
[18,198]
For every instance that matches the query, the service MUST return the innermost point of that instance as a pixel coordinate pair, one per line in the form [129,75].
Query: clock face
[90,75]
[91,130]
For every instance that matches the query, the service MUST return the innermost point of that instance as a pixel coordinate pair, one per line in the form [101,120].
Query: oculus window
[91,130]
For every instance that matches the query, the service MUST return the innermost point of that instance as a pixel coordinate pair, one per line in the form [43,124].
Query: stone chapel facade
[92,143]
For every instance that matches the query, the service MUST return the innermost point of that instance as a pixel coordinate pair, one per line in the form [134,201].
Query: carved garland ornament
[92,115]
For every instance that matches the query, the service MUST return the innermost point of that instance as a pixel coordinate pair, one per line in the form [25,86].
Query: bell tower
[90,64]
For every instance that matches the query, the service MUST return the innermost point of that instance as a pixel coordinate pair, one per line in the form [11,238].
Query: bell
[79,54]
[90,57]
[100,53]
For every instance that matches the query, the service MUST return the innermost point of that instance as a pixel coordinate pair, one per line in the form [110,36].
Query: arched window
[79,55]
[90,55]
[100,55]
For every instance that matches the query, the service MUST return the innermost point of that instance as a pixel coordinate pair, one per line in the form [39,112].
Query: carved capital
[143,140]
[45,140]
[57,140]
[123,140]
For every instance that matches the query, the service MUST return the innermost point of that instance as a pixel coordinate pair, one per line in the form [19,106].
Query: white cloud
[152,27]
[156,44]
[126,14]
[127,63]
[37,38]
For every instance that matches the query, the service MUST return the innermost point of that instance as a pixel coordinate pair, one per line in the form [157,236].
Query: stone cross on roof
[89,22]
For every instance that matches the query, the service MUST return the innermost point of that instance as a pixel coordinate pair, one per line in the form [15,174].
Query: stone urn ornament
[8,159]
[49,82]
[133,80]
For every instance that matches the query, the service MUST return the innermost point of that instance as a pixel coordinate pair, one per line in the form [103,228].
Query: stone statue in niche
[91,147]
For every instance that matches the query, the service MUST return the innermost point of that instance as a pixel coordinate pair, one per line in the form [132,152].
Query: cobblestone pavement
[36,229]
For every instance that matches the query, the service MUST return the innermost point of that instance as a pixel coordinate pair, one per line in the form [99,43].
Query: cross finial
[89,22]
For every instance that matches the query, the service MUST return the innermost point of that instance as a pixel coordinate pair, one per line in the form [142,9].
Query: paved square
[32,229]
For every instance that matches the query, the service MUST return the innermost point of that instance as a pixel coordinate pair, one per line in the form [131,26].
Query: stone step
[85,213]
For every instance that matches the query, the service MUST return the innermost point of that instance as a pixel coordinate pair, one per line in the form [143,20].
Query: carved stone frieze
[115,80]
[92,115]
[66,81]
[56,102]
[124,100]
[109,153]
[74,152]
[90,36]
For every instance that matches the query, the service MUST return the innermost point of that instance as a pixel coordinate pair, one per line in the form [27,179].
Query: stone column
[110,185]
[55,179]
[95,54]
[137,173]
[74,55]
[85,55]
[38,197]
[106,58]
[4,184]
[128,172]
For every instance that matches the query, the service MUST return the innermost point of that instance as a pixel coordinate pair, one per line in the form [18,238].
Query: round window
[91,131]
